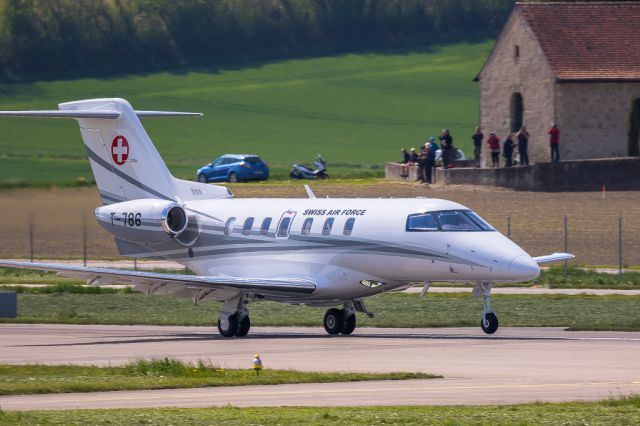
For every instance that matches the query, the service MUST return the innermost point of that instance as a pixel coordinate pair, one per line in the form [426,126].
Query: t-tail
[142,202]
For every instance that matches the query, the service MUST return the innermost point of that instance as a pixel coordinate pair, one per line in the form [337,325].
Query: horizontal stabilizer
[97,113]
[553,257]
[264,286]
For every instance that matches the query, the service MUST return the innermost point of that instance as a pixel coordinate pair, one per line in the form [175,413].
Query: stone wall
[530,75]
[588,175]
[594,118]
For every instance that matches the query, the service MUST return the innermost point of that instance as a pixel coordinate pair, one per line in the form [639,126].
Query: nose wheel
[489,321]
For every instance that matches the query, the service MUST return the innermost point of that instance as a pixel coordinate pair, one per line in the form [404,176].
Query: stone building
[575,64]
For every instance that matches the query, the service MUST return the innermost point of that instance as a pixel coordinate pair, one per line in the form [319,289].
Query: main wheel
[244,326]
[233,178]
[349,324]
[333,321]
[489,323]
[231,326]
[202,178]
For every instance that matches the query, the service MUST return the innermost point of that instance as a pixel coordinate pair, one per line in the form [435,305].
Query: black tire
[243,327]
[202,178]
[489,323]
[349,324]
[233,326]
[333,321]
[233,178]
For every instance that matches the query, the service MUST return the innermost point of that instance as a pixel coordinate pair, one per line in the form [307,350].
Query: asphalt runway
[515,365]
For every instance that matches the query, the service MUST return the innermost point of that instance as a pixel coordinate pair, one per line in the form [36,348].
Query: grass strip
[578,312]
[163,373]
[613,411]
[550,278]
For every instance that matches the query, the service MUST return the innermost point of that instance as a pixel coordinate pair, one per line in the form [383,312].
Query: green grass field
[578,312]
[613,411]
[162,373]
[357,110]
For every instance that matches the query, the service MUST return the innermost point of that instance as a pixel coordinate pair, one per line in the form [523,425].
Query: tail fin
[124,161]
[125,164]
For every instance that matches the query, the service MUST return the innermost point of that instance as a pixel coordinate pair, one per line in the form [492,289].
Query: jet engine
[144,221]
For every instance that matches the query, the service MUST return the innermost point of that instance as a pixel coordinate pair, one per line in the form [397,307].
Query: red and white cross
[120,150]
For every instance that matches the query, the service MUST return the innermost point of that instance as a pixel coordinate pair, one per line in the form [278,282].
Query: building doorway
[633,142]
[517,111]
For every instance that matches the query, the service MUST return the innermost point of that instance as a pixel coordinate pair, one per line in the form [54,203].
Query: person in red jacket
[494,146]
[554,142]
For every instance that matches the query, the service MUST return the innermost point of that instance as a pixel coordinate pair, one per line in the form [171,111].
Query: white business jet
[317,252]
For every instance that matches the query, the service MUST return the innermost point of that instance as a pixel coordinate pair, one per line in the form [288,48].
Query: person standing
[431,161]
[477,145]
[523,145]
[554,142]
[494,147]
[446,144]
[507,150]
[422,163]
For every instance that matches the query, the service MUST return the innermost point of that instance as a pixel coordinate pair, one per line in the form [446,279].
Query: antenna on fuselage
[310,193]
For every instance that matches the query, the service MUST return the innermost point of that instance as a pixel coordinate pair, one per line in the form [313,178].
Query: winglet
[310,193]
[553,257]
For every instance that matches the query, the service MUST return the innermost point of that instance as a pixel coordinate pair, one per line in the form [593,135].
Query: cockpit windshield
[447,220]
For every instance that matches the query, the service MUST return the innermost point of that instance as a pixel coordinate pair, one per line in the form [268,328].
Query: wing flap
[553,257]
[100,276]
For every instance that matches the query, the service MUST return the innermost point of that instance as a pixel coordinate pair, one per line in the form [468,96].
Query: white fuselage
[379,249]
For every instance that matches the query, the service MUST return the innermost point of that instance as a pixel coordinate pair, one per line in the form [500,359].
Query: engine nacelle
[144,221]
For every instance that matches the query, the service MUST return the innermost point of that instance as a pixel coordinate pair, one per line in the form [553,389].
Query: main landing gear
[343,321]
[233,319]
[489,321]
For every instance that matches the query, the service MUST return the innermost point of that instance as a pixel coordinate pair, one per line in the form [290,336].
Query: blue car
[234,168]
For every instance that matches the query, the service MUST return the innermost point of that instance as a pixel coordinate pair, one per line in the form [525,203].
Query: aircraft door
[285,224]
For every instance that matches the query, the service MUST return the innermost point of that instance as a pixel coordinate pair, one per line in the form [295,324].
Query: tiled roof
[587,41]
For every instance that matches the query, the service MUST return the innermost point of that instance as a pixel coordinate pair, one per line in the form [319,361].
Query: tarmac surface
[515,365]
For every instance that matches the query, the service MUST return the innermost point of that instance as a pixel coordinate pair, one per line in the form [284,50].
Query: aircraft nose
[524,268]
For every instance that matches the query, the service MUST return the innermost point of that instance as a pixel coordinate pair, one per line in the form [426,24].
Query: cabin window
[421,222]
[306,226]
[228,228]
[264,228]
[326,228]
[248,224]
[283,228]
[348,226]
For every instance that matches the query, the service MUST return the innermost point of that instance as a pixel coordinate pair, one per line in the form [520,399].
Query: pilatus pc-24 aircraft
[312,251]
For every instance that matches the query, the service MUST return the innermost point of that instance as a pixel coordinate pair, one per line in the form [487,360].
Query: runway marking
[88,397]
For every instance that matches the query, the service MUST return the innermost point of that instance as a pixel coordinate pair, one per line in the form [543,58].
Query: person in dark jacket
[422,163]
[523,145]
[404,169]
[446,144]
[507,150]
[477,145]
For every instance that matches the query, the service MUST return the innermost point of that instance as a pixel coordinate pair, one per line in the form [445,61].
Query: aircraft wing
[177,284]
[553,257]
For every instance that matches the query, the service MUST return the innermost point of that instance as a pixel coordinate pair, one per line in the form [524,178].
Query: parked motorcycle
[298,171]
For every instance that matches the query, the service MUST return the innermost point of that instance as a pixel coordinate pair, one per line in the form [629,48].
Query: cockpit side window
[480,221]
[456,220]
[421,222]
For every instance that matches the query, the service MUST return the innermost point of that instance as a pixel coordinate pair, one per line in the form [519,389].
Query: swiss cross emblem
[120,150]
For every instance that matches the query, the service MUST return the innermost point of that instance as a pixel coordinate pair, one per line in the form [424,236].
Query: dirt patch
[536,217]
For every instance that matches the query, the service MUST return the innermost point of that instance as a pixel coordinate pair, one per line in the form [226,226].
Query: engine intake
[144,221]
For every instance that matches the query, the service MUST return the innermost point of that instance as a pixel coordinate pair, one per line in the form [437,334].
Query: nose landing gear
[489,322]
